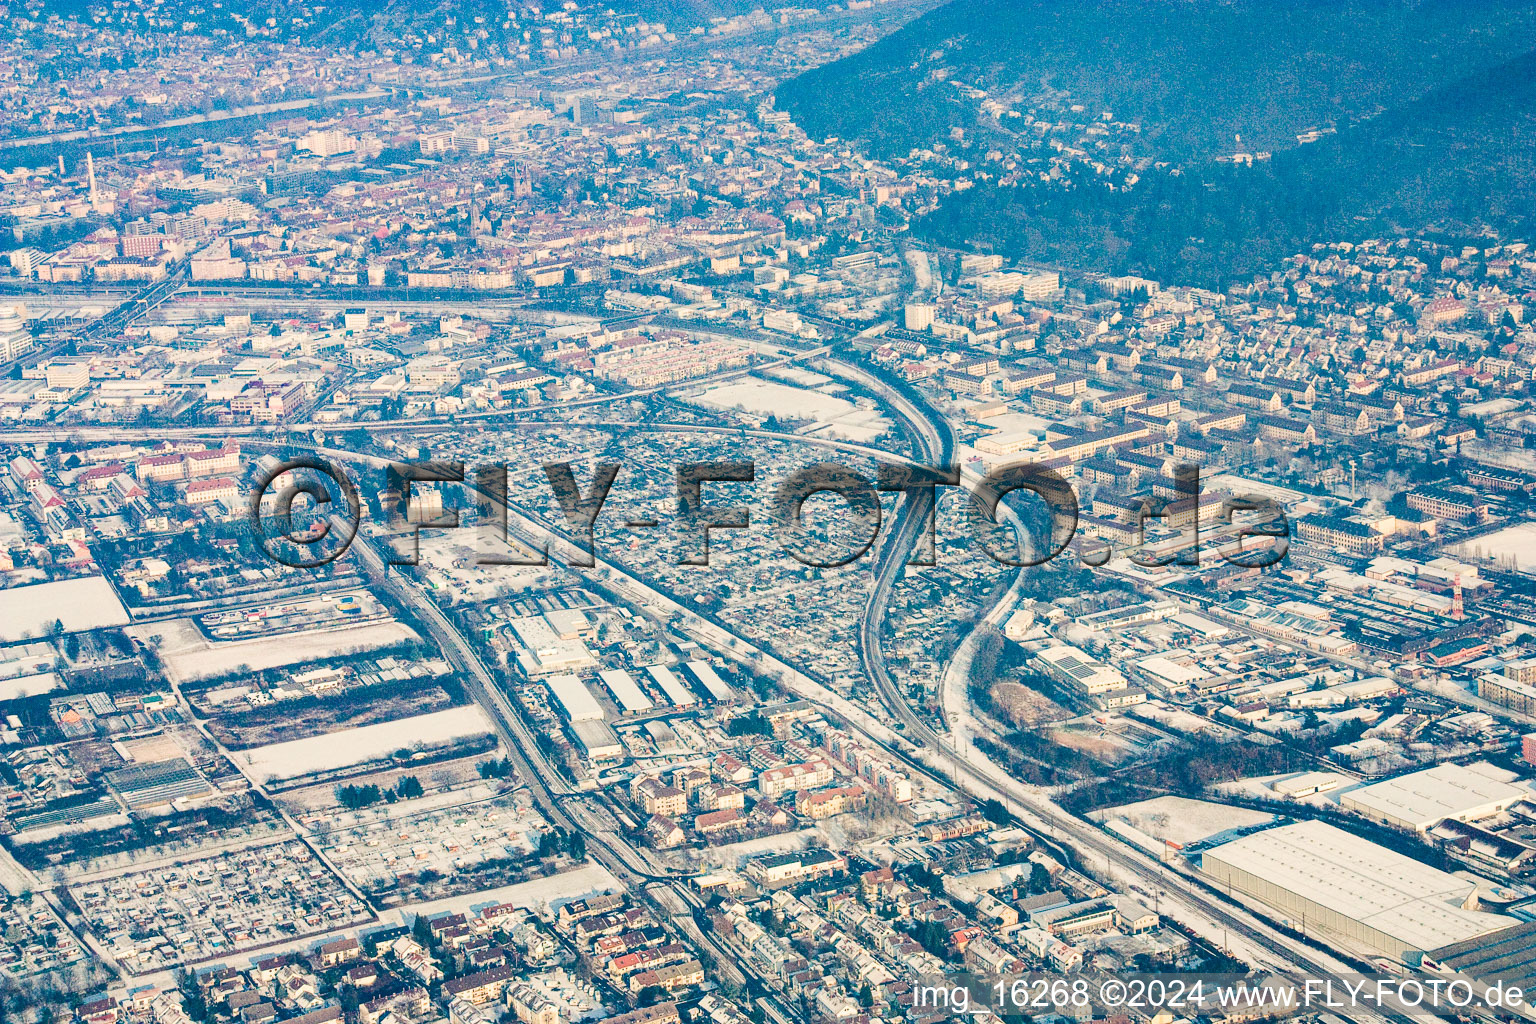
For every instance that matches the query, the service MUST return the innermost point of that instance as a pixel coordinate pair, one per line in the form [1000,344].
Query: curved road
[1257,942]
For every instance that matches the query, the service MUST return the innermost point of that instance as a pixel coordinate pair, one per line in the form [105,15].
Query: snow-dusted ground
[922,272]
[379,844]
[834,417]
[189,656]
[87,602]
[365,743]
[14,878]
[1520,459]
[1012,421]
[1263,787]
[1180,820]
[766,398]
[29,686]
[1513,542]
[453,560]
[557,890]
[731,855]
[801,377]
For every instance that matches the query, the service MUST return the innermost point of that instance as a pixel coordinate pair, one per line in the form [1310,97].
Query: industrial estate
[645,754]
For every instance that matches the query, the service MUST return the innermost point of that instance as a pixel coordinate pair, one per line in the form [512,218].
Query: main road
[1245,934]
[1248,936]
[559,802]
[1254,939]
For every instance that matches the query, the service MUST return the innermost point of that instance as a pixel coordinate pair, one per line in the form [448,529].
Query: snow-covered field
[861,427]
[29,686]
[731,855]
[87,602]
[591,879]
[1180,820]
[834,417]
[1014,421]
[1492,407]
[379,844]
[189,656]
[766,398]
[454,569]
[366,743]
[799,375]
[1513,543]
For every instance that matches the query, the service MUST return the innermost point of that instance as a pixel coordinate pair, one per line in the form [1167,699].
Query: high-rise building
[327,143]
[15,339]
[919,316]
[90,174]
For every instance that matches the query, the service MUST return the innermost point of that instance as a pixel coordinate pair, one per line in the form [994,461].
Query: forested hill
[1435,105]
[1460,158]
[1195,73]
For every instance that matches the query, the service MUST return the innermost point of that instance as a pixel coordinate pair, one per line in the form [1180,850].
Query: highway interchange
[943,754]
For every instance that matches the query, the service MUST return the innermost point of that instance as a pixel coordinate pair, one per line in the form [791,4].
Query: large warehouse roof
[1509,954]
[1086,673]
[544,651]
[706,674]
[575,698]
[1416,904]
[670,685]
[625,690]
[598,740]
[1425,798]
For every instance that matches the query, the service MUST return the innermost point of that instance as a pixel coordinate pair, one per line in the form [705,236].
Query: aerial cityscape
[690,512]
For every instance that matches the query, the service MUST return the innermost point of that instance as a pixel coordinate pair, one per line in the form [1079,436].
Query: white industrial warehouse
[1421,800]
[708,678]
[670,685]
[542,651]
[575,699]
[1080,670]
[1322,878]
[626,691]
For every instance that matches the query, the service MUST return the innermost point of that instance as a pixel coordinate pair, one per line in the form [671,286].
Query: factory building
[1509,955]
[1323,879]
[1079,670]
[626,691]
[597,741]
[670,685]
[706,676]
[541,651]
[1421,800]
[575,699]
